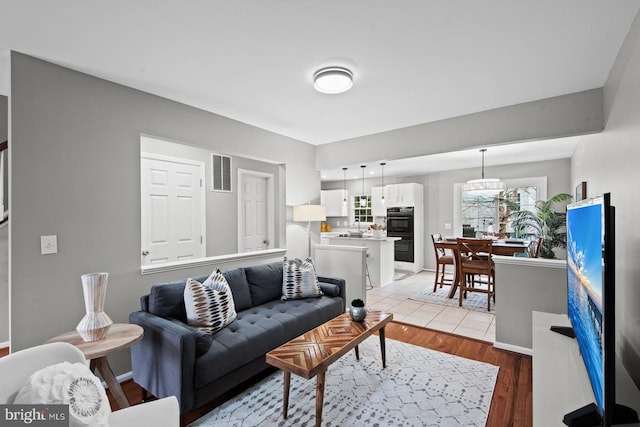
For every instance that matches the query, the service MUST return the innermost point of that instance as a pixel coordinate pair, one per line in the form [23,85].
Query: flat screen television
[591,306]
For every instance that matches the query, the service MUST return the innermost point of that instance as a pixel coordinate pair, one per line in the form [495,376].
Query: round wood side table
[119,337]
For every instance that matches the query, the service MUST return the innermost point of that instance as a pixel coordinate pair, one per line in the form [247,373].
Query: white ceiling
[414,61]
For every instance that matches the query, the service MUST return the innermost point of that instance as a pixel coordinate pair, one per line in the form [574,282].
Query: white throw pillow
[72,384]
[209,305]
[299,279]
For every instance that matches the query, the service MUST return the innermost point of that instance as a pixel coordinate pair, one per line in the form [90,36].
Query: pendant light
[363,199]
[382,192]
[484,186]
[344,187]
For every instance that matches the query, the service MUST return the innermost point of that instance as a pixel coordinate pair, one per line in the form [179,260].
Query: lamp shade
[484,187]
[309,213]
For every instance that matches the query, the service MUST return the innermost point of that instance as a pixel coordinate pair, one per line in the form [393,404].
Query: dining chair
[474,258]
[442,260]
[539,247]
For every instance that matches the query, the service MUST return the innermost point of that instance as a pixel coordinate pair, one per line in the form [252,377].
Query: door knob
[266,242]
[145,253]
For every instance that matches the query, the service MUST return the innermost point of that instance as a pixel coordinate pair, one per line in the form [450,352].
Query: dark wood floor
[512,397]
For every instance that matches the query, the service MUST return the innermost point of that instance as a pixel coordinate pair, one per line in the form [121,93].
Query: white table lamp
[308,213]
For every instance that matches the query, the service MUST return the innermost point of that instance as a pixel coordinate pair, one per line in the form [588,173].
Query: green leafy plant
[357,303]
[545,223]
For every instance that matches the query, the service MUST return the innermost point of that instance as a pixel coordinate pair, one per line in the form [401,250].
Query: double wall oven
[400,224]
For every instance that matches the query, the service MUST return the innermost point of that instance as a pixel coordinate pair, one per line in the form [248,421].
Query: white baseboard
[5,344]
[514,348]
[121,378]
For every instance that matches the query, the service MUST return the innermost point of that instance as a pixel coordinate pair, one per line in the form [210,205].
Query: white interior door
[173,209]
[255,207]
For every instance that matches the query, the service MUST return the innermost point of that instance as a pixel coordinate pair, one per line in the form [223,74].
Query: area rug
[419,387]
[475,301]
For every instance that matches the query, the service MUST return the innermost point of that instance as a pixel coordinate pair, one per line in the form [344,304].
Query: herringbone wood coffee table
[310,354]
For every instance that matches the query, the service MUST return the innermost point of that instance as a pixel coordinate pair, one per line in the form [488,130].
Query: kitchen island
[380,255]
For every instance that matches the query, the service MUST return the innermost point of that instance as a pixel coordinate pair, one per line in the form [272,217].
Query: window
[477,213]
[362,214]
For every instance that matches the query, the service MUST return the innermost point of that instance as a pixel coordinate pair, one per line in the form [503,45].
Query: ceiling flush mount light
[333,80]
[484,186]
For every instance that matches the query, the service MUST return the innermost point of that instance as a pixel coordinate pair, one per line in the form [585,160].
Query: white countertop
[368,238]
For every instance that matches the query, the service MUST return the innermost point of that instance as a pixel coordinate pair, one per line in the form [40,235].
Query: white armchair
[16,368]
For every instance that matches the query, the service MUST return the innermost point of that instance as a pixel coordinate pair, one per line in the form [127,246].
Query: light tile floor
[395,298]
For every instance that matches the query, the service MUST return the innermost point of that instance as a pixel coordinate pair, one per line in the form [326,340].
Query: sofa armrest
[161,412]
[339,283]
[163,361]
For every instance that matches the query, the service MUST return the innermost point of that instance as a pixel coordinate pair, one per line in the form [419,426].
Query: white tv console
[560,381]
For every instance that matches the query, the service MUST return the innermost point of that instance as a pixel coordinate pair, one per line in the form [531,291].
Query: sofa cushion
[203,341]
[330,289]
[259,330]
[239,288]
[167,300]
[299,279]
[265,282]
[209,305]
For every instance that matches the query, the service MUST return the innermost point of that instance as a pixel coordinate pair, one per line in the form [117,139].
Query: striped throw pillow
[209,305]
[299,279]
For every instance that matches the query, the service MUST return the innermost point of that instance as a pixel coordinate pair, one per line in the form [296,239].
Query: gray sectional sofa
[174,359]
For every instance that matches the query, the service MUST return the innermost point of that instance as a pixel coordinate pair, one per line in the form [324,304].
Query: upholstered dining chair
[16,370]
[442,260]
[474,259]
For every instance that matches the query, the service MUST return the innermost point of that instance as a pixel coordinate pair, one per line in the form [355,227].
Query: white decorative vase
[95,324]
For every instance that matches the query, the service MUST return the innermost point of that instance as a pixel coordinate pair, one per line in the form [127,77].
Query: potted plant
[545,223]
[357,310]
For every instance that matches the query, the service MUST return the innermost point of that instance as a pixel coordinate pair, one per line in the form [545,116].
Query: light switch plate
[447,226]
[48,245]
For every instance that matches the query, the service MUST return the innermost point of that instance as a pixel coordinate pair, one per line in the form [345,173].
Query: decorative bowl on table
[357,310]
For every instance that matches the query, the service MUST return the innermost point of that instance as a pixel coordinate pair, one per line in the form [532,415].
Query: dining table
[500,247]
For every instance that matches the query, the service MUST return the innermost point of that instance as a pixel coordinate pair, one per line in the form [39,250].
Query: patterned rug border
[419,387]
[475,301]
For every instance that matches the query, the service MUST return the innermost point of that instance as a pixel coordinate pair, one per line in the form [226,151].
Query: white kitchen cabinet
[377,207]
[333,200]
[404,194]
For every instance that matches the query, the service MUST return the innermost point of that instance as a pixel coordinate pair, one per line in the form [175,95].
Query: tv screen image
[591,307]
[585,270]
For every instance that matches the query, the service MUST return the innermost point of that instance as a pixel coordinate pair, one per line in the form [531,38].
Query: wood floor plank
[512,403]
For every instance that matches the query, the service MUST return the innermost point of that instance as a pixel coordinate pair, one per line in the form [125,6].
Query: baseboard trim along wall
[513,348]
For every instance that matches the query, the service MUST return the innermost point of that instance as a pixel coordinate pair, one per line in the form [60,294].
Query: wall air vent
[220,172]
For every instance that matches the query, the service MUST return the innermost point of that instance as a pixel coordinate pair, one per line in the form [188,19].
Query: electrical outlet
[48,245]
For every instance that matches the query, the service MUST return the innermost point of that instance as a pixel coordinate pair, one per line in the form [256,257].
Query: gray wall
[76,172]
[438,191]
[4,233]
[574,114]
[609,163]
[4,135]
[221,207]
[525,285]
